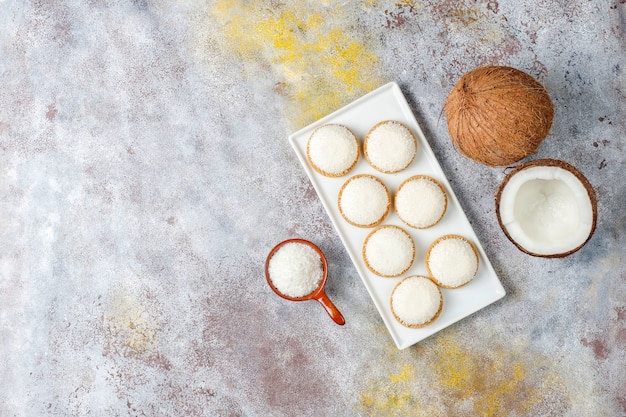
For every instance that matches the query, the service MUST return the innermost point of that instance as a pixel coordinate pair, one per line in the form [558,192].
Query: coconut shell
[550,163]
[498,115]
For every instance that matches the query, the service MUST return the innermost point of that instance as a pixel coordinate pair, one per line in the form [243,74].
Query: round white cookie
[420,201]
[364,200]
[332,150]
[389,146]
[388,251]
[452,261]
[416,301]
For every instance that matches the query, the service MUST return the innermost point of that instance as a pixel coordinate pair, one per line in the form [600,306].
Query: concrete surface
[145,173]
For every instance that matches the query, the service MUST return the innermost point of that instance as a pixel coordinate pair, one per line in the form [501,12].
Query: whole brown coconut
[498,115]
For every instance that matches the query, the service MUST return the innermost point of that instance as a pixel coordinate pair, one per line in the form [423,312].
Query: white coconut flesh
[546,210]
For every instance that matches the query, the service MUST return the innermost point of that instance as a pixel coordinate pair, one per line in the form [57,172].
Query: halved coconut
[547,208]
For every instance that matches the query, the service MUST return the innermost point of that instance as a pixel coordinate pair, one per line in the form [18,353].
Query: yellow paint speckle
[129,327]
[405,374]
[318,64]
[494,380]
[395,393]
[448,376]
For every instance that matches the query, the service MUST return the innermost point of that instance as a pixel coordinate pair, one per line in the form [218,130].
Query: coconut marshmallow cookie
[388,251]
[364,201]
[452,261]
[420,201]
[389,146]
[296,269]
[416,302]
[332,150]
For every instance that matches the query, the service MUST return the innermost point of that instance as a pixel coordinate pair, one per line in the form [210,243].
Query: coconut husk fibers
[498,115]
[549,163]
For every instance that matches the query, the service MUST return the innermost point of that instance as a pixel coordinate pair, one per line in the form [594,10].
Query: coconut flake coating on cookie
[420,201]
[364,201]
[390,146]
[388,251]
[416,301]
[332,150]
[452,261]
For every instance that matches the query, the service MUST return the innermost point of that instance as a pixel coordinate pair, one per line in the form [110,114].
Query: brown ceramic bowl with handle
[318,294]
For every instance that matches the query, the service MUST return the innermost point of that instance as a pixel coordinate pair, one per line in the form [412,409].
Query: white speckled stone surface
[145,173]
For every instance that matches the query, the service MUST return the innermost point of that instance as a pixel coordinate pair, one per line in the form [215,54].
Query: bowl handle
[330,308]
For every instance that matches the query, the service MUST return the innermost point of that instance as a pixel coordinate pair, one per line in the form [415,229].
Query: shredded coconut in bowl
[295,269]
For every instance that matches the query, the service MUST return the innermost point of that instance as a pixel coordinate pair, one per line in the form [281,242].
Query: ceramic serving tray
[388,103]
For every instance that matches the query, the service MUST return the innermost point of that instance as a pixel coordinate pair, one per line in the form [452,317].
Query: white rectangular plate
[388,103]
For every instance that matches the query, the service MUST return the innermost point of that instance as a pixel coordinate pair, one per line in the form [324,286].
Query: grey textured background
[145,174]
